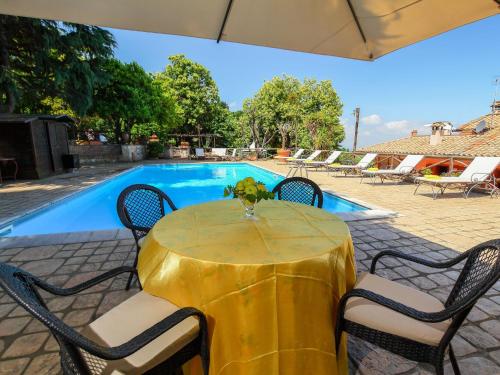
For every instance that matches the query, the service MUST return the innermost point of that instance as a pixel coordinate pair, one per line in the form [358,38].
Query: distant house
[445,148]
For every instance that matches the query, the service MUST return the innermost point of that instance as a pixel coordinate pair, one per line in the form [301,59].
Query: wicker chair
[411,323]
[144,334]
[300,190]
[139,208]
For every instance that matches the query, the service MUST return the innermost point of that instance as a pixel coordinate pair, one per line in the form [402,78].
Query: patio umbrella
[358,29]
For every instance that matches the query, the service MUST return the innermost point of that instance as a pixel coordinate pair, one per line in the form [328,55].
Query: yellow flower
[249,181]
[240,186]
[261,187]
[251,190]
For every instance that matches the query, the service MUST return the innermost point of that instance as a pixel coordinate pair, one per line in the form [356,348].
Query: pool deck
[434,229]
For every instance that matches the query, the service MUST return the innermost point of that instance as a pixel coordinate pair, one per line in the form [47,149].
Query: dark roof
[465,143]
[11,118]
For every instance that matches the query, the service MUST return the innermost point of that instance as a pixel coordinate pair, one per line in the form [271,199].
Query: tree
[262,129]
[278,103]
[309,112]
[231,128]
[41,59]
[321,111]
[131,96]
[194,91]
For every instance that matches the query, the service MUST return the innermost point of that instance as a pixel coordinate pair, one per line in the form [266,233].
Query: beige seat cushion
[129,319]
[375,316]
[141,241]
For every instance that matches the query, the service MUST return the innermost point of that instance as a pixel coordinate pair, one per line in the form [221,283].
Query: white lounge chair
[199,153]
[298,164]
[362,164]
[219,153]
[404,169]
[325,163]
[233,155]
[295,156]
[478,173]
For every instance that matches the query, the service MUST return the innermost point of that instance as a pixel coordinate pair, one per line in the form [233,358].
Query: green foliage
[131,97]
[307,114]
[194,92]
[42,59]
[155,149]
[233,130]
[249,191]
[321,111]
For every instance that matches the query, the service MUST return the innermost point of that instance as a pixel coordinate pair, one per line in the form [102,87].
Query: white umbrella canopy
[358,29]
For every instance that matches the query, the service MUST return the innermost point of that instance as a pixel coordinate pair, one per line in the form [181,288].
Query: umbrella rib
[355,16]
[226,16]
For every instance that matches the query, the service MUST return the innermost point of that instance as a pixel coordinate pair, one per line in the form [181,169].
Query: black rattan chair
[300,190]
[377,309]
[139,208]
[82,354]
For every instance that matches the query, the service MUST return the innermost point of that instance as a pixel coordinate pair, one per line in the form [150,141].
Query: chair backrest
[300,190]
[234,152]
[409,163]
[299,152]
[252,146]
[22,287]
[333,156]
[199,152]
[140,207]
[314,155]
[219,151]
[480,168]
[480,272]
[366,160]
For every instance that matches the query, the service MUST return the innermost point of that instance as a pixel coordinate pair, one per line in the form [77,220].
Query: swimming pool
[186,184]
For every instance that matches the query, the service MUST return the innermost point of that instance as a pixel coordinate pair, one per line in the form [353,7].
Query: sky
[449,77]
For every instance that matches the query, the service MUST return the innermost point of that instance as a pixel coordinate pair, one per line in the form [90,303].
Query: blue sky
[449,77]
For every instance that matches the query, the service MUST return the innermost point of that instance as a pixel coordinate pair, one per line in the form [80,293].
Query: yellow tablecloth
[269,287]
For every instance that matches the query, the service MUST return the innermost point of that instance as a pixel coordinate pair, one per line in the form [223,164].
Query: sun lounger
[479,173]
[295,156]
[199,153]
[233,155]
[298,164]
[219,153]
[361,165]
[325,163]
[404,169]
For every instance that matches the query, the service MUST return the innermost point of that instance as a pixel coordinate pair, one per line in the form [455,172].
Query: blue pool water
[186,184]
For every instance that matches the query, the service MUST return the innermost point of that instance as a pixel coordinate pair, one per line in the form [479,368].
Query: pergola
[210,137]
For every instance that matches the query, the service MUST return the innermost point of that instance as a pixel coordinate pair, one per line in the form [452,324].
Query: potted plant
[283,152]
[249,192]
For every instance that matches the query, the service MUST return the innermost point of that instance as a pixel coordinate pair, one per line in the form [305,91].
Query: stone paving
[432,229]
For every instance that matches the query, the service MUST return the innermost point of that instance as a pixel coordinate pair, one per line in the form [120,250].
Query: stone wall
[91,154]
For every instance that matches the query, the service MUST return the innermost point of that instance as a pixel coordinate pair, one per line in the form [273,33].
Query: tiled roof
[465,143]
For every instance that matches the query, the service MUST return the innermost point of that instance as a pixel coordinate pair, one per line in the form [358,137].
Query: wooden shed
[37,142]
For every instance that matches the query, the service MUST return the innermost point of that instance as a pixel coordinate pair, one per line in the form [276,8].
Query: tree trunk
[118,131]
[4,66]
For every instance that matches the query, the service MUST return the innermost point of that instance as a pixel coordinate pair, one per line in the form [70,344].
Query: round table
[269,287]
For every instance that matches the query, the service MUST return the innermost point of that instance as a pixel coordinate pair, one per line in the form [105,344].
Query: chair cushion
[140,242]
[131,318]
[375,316]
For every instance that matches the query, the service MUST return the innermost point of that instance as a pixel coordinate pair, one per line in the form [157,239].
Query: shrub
[155,149]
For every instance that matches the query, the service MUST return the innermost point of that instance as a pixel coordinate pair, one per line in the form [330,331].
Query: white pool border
[372,212]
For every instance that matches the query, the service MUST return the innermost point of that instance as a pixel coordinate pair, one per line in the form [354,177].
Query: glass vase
[249,209]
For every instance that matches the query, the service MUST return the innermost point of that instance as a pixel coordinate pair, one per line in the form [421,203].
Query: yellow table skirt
[269,287]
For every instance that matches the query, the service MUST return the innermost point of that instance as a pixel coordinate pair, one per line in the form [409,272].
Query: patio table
[269,287]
